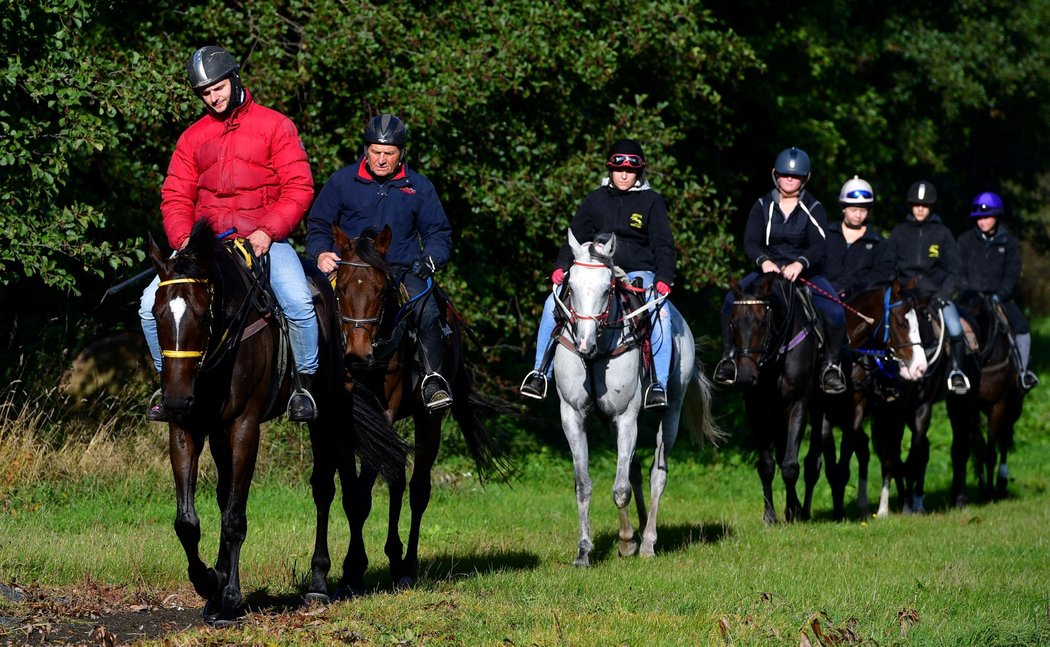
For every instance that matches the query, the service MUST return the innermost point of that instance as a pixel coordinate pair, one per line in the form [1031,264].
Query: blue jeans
[659,336]
[293,295]
[951,319]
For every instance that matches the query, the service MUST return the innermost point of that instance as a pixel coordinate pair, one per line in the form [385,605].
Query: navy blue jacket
[407,202]
[852,268]
[639,219]
[991,264]
[927,250]
[801,236]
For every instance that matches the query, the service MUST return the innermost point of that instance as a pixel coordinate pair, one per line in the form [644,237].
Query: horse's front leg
[918,459]
[820,438]
[572,422]
[428,442]
[240,450]
[626,428]
[357,505]
[322,486]
[789,465]
[184,450]
[666,436]
[862,450]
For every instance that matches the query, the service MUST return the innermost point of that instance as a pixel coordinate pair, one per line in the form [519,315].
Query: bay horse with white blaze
[226,368]
[883,330]
[598,367]
[378,359]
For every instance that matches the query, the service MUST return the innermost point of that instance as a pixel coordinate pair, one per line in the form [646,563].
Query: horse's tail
[470,411]
[375,440]
[696,409]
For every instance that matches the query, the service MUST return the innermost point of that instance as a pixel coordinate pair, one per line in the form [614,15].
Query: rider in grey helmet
[208,66]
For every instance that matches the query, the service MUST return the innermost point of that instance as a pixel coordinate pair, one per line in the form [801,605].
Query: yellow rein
[181,354]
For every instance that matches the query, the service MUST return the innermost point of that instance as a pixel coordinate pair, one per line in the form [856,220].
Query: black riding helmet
[922,192]
[388,130]
[211,64]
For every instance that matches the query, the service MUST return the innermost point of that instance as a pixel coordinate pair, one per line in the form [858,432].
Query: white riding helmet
[856,193]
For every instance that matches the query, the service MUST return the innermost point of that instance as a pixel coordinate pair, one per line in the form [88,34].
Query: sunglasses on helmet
[859,193]
[625,160]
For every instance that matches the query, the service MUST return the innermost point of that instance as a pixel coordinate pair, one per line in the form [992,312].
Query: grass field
[497,560]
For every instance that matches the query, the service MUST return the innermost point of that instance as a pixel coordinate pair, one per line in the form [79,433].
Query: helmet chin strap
[237,97]
[852,226]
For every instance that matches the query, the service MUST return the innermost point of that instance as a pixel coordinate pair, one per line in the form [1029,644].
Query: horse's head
[362,284]
[183,313]
[753,326]
[591,291]
[905,342]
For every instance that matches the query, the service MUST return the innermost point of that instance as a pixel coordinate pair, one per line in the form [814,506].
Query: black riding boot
[725,371]
[301,405]
[535,383]
[958,383]
[832,379]
[435,390]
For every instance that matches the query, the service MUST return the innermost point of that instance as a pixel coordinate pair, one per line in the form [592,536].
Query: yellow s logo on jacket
[935,251]
[636,220]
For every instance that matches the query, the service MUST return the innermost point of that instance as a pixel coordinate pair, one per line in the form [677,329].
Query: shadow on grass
[671,539]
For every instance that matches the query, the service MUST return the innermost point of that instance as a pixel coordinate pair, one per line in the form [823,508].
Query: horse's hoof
[316,599]
[647,551]
[404,582]
[960,501]
[211,610]
[583,560]
[223,623]
[628,548]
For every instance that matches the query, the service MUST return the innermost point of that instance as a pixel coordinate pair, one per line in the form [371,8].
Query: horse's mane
[366,251]
[196,259]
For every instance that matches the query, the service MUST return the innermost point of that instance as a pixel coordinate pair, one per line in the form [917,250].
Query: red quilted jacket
[248,171]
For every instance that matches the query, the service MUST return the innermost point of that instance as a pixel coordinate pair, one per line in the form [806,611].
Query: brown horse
[776,357]
[227,367]
[883,330]
[380,362]
[999,397]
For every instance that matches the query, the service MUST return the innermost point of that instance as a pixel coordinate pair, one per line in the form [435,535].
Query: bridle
[775,337]
[187,354]
[370,325]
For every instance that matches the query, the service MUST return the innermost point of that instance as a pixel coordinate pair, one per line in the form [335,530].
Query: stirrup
[301,406]
[964,389]
[834,370]
[718,367]
[155,411]
[1028,381]
[655,397]
[528,388]
[439,396]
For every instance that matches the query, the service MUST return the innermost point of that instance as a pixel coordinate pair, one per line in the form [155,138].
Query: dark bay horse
[379,363]
[999,397]
[913,408]
[883,331]
[226,369]
[776,350]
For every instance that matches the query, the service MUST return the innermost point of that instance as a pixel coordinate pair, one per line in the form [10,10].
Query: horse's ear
[605,245]
[382,242]
[341,240]
[577,248]
[156,256]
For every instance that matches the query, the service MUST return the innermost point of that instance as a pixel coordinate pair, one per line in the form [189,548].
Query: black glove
[424,267]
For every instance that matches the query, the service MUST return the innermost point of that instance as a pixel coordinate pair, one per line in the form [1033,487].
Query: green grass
[497,560]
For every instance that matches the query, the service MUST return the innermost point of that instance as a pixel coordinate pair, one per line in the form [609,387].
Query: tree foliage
[511,107]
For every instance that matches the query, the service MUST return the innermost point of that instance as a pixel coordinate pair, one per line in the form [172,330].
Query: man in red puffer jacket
[242,166]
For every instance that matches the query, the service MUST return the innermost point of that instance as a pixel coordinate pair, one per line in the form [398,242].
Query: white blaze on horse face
[916,366]
[178,309]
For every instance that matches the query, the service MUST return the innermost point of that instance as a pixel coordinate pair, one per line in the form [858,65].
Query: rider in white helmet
[856,250]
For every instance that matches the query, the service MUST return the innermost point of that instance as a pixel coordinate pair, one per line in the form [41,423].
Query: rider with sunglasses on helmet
[856,250]
[786,233]
[627,206]
[991,261]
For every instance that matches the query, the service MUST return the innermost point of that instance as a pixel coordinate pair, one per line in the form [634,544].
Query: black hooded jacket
[800,236]
[853,267]
[926,249]
[991,264]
